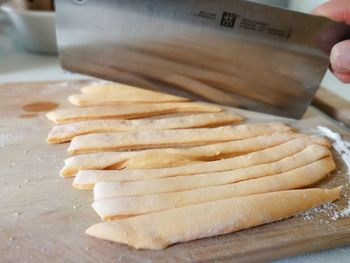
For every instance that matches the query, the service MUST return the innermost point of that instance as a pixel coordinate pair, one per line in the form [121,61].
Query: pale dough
[124,141]
[161,229]
[129,111]
[65,132]
[128,93]
[182,183]
[86,179]
[161,158]
[191,198]
[121,207]
[111,94]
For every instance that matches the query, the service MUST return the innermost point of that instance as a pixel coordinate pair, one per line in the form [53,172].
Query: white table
[17,65]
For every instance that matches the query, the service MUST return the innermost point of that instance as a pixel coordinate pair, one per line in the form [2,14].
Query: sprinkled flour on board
[340,146]
[9,136]
[343,149]
[345,212]
[329,209]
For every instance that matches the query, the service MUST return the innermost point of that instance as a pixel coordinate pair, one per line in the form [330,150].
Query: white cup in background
[35,29]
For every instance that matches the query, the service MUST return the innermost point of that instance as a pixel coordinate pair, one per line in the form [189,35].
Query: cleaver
[231,52]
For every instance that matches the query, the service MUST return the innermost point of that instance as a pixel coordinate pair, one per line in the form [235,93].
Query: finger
[338,10]
[343,77]
[340,61]
[340,57]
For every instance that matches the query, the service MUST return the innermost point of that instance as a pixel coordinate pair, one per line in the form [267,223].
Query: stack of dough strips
[175,178]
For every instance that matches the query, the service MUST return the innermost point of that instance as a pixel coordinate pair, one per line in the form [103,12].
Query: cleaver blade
[231,52]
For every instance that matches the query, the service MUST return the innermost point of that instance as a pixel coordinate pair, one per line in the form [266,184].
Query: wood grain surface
[333,105]
[43,218]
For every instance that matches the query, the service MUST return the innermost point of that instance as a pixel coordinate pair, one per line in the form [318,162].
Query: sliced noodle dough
[161,229]
[86,179]
[131,111]
[123,141]
[118,94]
[182,183]
[126,93]
[121,207]
[161,158]
[66,132]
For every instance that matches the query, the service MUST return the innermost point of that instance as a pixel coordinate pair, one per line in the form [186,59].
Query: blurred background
[28,48]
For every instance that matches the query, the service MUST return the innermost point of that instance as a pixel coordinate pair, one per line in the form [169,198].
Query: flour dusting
[9,136]
[345,212]
[340,146]
[329,209]
[52,88]
[100,82]
[343,149]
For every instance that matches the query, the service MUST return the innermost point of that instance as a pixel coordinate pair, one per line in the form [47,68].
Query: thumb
[338,10]
[340,60]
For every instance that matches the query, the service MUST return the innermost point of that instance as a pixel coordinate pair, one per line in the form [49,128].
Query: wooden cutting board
[43,219]
[333,105]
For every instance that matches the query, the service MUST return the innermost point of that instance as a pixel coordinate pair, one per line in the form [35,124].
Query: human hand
[338,10]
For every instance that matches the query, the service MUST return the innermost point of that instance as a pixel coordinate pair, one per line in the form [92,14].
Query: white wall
[282,3]
[305,6]
[298,5]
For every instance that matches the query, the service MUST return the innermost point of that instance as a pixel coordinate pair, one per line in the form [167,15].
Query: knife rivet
[79,2]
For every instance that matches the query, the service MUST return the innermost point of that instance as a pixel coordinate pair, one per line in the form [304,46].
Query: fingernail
[340,57]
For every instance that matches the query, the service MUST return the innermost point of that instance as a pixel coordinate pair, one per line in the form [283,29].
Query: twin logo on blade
[228,19]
